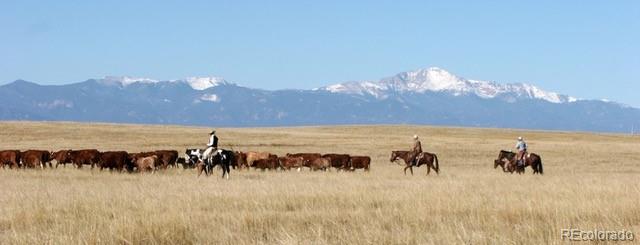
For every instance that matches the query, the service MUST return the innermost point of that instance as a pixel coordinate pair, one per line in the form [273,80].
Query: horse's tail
[435,157]
[540,165]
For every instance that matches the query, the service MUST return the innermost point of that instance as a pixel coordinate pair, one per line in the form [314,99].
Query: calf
[147,163]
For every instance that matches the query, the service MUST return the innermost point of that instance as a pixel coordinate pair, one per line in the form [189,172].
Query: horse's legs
[411,169]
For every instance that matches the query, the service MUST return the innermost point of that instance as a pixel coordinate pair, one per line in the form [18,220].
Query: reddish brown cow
[34,158]
[252,156]
[10,158]
[167,158]
[291,162]
[320,163]
[270,162]
[339,161]
[240,160]
[114,160]
[308,158]
[356,162]
[62,157]
[85,157]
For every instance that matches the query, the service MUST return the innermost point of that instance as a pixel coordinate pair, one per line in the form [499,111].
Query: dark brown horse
[507,160]
[430,159]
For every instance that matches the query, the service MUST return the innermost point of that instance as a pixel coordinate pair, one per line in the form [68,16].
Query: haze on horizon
[583,49]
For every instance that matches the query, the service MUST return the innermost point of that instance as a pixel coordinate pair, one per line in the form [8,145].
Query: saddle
[520,161]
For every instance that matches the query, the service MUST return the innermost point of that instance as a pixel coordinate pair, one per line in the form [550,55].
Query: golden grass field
[591,181]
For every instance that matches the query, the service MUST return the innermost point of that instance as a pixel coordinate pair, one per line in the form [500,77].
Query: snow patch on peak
[434,79]
[202,83]
[210,97]
[125,80]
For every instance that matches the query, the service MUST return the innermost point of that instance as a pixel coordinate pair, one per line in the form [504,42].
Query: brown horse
[507,160]
[430,159]
[504,158]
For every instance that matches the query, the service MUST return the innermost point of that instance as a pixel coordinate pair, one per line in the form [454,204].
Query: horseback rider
[521,146]
[212,146]
[415,151]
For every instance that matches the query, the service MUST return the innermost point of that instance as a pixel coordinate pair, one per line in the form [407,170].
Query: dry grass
[591,181]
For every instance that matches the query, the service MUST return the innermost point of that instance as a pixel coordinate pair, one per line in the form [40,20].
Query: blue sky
[587,49]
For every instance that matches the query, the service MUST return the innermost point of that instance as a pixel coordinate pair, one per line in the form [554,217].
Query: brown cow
[85,157]
[356,162]
[339,161]
[240,160]
[62,157]
[291,162]
[252,156]
[10,158]
[308,158]
[114,160]
[167,158]
[320,163]
[147,163]
[34,158]
[269,163]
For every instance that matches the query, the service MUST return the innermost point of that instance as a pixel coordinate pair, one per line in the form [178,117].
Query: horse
[430,159]
[507,160]
[224,158]
[504,157]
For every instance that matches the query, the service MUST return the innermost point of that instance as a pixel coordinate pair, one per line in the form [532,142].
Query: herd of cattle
[161,159]
[118,160]
[265,160]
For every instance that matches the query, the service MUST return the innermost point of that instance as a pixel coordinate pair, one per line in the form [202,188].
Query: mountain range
[425,96]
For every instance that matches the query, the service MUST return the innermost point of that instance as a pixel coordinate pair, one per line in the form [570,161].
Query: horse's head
[394,156]
[496,163]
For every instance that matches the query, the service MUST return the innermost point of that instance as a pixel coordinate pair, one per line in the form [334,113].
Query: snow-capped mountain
[435,79]
[427,96]
[197,83]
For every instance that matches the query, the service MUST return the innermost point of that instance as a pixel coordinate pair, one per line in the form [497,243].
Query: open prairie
[590,181]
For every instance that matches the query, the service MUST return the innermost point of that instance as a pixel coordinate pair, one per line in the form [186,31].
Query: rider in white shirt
[212,146]
[521,146]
